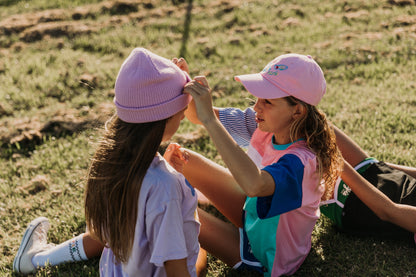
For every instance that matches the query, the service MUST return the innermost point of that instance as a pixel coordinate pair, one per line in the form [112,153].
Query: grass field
[59,60]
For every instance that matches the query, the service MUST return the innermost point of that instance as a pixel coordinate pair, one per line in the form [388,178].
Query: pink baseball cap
[288,75]
[149,88]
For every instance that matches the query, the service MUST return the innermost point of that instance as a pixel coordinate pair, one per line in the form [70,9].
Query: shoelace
[40,236]
[41,233]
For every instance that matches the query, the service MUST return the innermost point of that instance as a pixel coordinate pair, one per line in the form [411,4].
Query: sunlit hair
[114,181]
[320,138]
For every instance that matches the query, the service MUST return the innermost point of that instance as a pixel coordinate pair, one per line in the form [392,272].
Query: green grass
[366,49]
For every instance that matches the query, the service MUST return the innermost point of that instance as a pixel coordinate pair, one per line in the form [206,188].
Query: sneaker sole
[26,237]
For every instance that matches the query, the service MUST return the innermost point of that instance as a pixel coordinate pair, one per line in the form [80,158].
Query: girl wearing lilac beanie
[140,208]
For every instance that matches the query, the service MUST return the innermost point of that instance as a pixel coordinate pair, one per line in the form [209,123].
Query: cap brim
[260,87]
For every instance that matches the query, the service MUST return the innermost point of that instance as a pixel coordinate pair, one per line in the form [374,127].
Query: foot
[34,241]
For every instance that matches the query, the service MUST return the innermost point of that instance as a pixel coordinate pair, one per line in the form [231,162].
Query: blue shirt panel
[288,176]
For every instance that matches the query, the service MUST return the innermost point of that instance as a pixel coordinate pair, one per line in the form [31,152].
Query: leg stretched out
[35,251]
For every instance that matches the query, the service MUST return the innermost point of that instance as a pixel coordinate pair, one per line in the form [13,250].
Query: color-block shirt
[295,202]
[167,225]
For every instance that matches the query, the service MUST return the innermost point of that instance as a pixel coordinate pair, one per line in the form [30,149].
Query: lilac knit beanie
[149,88]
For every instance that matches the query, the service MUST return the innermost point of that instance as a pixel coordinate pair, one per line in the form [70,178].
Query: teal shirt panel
[261,234]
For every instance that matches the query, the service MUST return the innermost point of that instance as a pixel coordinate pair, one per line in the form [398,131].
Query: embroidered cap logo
[274,69]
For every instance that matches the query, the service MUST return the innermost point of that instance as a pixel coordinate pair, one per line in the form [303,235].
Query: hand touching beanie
[149,88]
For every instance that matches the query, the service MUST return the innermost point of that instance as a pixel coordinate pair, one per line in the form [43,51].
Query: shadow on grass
[186,28]
[6,3]
[83,268]
[335,253]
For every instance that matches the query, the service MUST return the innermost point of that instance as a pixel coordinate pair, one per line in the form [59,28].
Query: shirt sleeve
[239,124]
[166,235]
[288,176]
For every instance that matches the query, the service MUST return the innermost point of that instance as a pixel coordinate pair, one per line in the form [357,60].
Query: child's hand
[182,64]
[200,91]
[176,156]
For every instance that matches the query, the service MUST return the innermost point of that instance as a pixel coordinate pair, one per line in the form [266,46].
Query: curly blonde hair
[320,138]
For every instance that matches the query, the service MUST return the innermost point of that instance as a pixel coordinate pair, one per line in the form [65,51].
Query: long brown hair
[320,138]
[114,181]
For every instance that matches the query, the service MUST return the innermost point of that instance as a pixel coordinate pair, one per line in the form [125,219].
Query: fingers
[201,80]
[174,150]
[181,63]
[170,150]
[201,93]
[185,155]
[198,86]
[172,147]
[192,89]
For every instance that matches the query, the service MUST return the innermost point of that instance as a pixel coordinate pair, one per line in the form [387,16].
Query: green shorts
[334,207]
[351,215]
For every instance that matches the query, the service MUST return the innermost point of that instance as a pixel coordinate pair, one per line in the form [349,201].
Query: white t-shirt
[167,225]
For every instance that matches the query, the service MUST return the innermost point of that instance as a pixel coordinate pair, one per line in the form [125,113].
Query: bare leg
[380,204]
[350,150]
[217,184]
[353,153]
[219,238]
[92,247]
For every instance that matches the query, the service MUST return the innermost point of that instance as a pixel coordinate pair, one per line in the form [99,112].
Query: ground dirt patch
[31,131]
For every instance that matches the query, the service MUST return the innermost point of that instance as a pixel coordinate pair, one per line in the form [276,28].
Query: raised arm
[252,180]
[192,116]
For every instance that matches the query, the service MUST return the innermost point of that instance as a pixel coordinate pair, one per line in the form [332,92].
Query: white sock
[69,251]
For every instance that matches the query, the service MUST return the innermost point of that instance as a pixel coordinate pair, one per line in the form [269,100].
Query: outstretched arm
[211,179]
[191,114]
[251,179]
[399,214]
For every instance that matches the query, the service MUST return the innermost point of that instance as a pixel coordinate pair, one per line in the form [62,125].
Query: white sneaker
[34,241]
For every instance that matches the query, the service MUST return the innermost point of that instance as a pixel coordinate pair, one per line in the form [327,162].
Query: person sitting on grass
[136,204]
[273,195]
[379,200]
[240,124]
[386,192]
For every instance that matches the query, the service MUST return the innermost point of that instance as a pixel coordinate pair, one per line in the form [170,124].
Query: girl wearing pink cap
[239,125]
[136,204]
[272,193]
